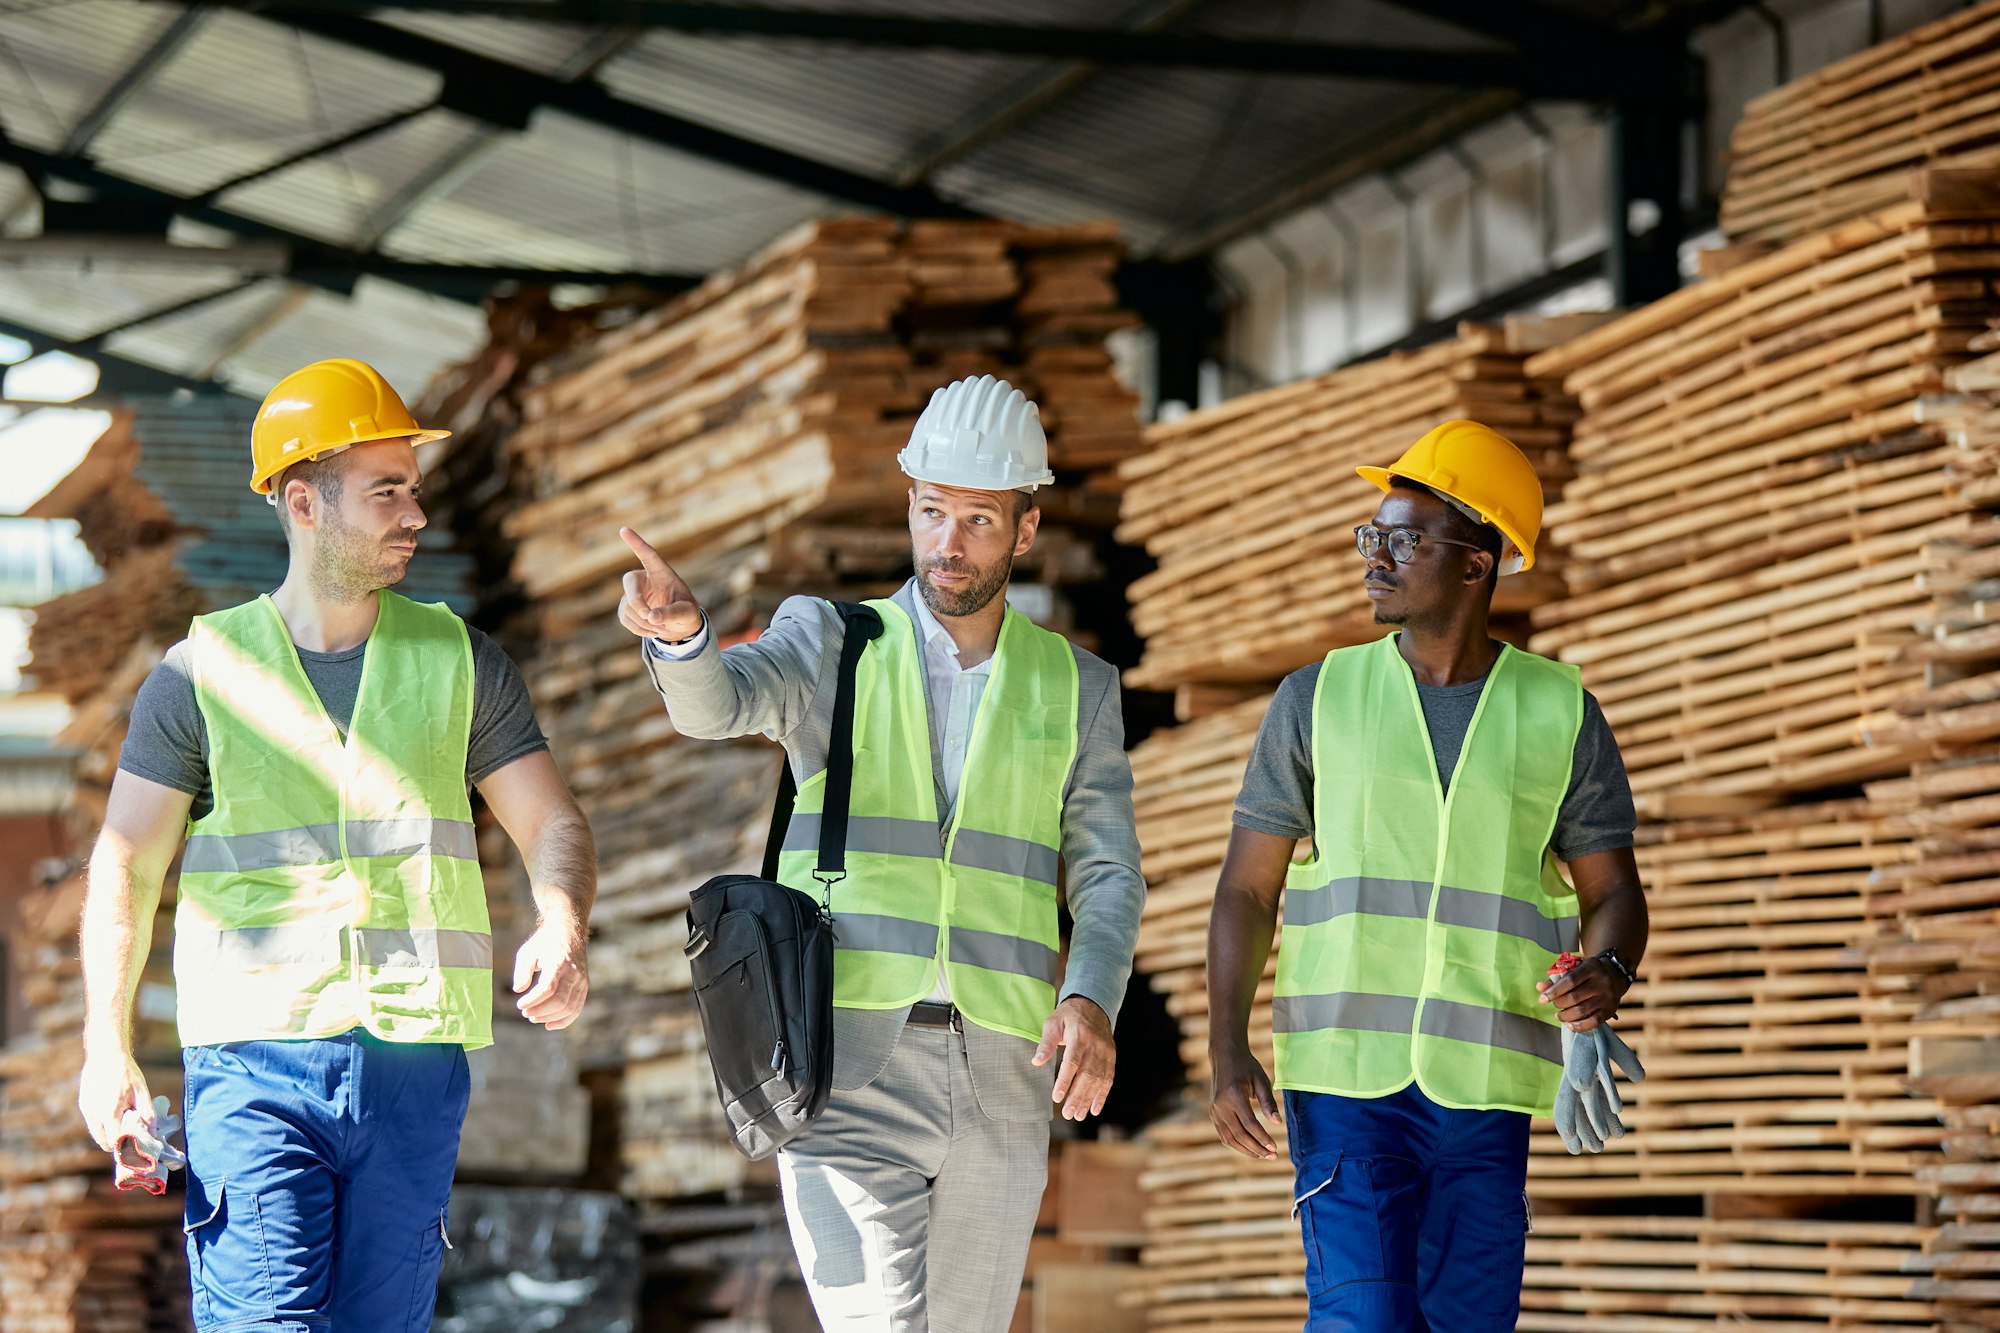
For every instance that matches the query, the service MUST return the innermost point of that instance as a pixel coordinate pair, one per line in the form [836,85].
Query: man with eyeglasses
[1441,776]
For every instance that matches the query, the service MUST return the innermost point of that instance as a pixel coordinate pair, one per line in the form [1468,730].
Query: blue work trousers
[318,1177]
[1414,1215]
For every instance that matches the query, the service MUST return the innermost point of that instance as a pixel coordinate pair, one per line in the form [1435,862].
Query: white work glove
[142,1153]
[1587,1101]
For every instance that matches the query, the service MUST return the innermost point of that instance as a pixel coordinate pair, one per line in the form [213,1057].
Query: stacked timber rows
[1780,545]
[1839,144]
[1258,575]
[749,430]
[1254,579]
[75,1255]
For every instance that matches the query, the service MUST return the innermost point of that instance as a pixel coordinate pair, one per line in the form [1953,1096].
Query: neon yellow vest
[977,896]
[1415,935]
[336,882]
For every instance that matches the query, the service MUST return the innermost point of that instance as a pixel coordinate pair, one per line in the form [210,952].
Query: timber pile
[749,430]
[1781,549]
[1841,142]
[1256,577]
[1761,486]
[1943,900]
[75,1255]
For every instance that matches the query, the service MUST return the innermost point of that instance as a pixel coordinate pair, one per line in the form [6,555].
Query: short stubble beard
[349,565]
[972,600]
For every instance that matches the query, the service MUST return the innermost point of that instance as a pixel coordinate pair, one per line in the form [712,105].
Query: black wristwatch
[1618,965]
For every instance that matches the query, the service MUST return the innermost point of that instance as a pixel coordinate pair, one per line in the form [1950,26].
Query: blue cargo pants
[318,1175]
[1414,1215]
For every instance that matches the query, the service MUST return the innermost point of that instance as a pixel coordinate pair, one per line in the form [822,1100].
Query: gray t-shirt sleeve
[503,716]
[1596,813]
[1277,795]
[165,740]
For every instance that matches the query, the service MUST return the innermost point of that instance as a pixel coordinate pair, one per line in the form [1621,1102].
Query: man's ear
[298,501]
[1025,530]
[1479,566]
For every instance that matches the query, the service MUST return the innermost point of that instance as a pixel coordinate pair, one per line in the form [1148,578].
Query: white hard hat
[982,434]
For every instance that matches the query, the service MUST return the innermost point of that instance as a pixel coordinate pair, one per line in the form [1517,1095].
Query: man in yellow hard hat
[1441,776]
[332,958]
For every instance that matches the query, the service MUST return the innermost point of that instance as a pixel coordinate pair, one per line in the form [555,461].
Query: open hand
[1090,1056]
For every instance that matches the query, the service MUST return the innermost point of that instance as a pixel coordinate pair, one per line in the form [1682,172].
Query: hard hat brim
[262,484]
[938,479]
[1384,478]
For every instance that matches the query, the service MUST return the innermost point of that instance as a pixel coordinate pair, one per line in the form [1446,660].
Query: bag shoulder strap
[858,624]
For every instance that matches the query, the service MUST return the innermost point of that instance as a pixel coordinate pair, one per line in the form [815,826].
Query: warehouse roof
[219,193]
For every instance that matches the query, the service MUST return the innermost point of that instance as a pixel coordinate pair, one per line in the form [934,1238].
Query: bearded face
[963,543]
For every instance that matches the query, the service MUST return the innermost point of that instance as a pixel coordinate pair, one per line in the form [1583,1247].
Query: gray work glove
[1587,1101]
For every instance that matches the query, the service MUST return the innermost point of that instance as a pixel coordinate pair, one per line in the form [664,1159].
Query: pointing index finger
[648,557]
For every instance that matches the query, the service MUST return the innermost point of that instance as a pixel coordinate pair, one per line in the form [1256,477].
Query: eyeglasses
[1402,542]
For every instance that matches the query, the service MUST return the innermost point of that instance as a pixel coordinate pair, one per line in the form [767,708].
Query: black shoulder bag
[762,953]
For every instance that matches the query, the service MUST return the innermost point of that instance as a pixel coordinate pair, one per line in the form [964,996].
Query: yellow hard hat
[1486,474]
[324,408]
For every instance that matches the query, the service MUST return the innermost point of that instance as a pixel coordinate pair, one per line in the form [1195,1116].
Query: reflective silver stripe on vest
[422,948]
[871,833]
[1343,1009]
[884,934]
[1493,1027]
[1004,953]
[1505,916]
[1411,898]
[1361,893]
[1005,856]
[319,844]
[321,944]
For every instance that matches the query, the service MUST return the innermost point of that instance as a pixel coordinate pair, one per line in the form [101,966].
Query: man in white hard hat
[989,753]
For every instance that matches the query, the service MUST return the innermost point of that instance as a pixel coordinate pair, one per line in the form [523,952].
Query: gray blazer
[782,686]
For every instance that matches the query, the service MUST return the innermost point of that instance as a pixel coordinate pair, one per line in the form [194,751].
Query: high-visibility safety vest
[336,882]
[1415,934]
[976,896]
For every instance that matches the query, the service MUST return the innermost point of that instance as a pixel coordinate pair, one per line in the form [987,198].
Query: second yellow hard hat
[1484,472]
[324,408]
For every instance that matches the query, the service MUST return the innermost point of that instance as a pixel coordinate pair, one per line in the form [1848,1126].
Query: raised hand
[657,603]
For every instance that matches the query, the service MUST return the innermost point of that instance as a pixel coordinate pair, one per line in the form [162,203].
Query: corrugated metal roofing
[1157,149]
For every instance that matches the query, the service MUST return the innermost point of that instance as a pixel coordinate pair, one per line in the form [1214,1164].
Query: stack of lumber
[76,1256]
[1248,506]
[1839,143]
[1761,487]
[1780,543]
[1778,538]
[1940,905]
[749,430]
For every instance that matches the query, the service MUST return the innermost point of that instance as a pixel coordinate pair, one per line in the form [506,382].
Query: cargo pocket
[228,1266]
[1313,1182]
[432,1241]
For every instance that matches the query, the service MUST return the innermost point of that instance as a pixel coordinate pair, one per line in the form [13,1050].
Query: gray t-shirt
[1277,795]
[168,740]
